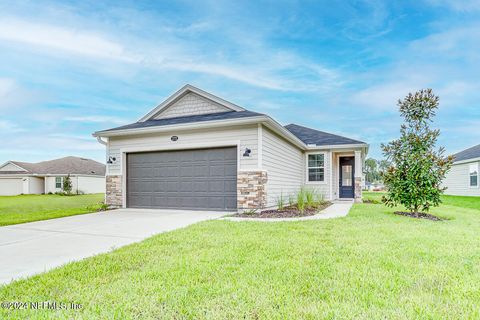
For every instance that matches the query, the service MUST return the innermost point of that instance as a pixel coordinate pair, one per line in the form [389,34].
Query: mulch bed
[421,215]
[287,212]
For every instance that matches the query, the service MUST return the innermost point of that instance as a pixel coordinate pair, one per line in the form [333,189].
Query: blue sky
[68,69]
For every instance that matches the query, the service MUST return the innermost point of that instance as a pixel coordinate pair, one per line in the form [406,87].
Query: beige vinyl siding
[321,187]
[36,185]
[284,165]
[191,139]
[90,184]
[457,181]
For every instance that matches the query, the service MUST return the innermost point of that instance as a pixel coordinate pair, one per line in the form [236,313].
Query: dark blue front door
[346,177]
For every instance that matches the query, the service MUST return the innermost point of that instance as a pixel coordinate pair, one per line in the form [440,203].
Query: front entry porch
[347,175]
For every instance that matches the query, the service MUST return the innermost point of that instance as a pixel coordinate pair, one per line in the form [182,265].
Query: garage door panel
[140,200]
[201,171]
[230,186]
[187,179]
[11,186]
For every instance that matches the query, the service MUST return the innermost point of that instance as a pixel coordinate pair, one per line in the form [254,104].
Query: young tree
[371,171]
[417,167]
[67,185]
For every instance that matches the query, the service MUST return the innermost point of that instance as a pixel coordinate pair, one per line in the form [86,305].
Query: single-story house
[463,177]
[87,176]
[198,151]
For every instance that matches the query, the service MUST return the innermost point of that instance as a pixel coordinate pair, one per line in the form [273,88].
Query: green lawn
[371,264]
[457,201]
[27,208]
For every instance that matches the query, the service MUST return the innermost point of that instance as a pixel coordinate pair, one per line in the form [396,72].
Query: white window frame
[61,182]
[324,167]
[475,167]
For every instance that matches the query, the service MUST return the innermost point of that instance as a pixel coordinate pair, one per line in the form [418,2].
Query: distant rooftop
[63,166]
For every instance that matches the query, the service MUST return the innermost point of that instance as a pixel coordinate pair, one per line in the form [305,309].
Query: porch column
[358,176]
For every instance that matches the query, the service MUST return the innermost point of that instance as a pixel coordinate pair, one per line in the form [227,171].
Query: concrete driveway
[34,247]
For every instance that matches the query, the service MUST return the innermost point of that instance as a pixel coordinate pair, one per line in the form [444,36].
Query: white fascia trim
[466,161]
[267,121]
[339,146]
[181,126]
[184,90]
[280,130]
[16,165]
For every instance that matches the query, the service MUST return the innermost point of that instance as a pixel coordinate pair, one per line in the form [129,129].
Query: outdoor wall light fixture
[247,152]
[111,160]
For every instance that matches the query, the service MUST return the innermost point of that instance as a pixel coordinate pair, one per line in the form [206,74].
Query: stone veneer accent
[358,189]
[113,195]
[251,190]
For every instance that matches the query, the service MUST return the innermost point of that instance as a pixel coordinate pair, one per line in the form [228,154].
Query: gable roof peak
[179,94]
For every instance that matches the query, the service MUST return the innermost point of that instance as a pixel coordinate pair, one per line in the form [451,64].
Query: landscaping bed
[286,212]
[420,215]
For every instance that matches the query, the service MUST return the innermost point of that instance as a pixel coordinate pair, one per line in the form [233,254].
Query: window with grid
[58,182]
[316,167]
[474,175]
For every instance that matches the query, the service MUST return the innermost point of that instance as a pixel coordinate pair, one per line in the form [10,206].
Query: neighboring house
[374,186]
[198,151]
[16,177]
[463,179]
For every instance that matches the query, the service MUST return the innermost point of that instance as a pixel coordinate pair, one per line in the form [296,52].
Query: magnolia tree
[417,167]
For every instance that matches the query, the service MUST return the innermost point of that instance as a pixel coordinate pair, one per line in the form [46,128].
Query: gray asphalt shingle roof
[188,119]
[319,138]
[63,166]
[470,153]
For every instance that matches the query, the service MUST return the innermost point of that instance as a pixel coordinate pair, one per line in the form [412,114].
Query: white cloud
[257,66]
[6,87]
[97,119]
[9,127]
[52,37]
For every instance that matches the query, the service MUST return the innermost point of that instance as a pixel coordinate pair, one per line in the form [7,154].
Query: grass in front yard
[371,264]
[28,208]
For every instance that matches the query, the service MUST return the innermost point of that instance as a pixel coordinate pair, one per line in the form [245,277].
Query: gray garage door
[187,179]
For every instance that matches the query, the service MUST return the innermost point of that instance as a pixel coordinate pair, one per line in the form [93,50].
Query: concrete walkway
[336,210]
[30,248]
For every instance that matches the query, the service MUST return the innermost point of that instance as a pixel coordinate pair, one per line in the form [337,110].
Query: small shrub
[301,202]
[280,202]
[310,197]
[103,207]
[250,212]
[320,199]
[291,200]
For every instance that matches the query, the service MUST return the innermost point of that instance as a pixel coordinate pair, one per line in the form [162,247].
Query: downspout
[105,143]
